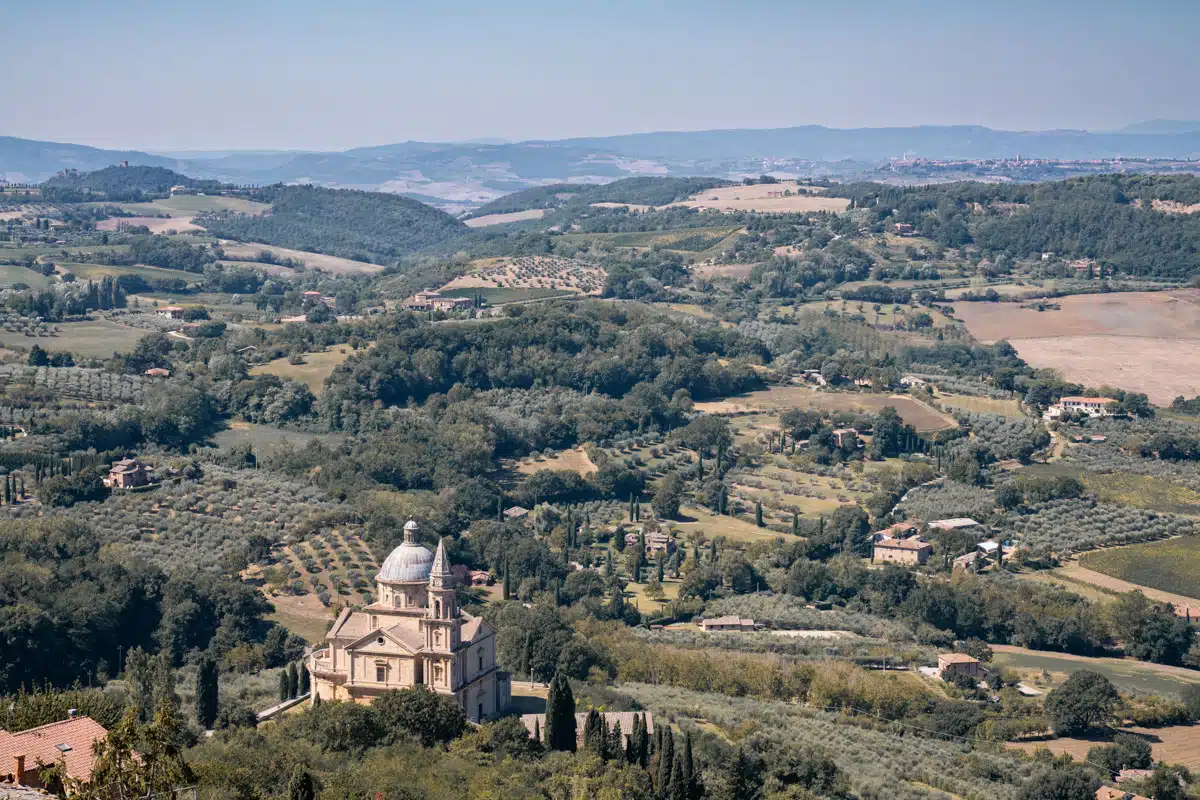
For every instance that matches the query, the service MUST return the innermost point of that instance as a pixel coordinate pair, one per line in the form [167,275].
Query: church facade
[414,634]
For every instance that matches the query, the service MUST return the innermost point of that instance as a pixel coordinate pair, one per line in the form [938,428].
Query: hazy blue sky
[331,75]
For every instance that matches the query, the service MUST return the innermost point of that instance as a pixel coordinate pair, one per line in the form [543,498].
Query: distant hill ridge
[488,170]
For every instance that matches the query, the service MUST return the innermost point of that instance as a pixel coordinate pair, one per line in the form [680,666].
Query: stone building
[414,634]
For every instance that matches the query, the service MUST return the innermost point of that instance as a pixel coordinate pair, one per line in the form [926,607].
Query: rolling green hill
[364,226]
[119,184]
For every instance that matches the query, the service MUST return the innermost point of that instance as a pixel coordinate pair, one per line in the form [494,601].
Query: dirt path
[1076,571]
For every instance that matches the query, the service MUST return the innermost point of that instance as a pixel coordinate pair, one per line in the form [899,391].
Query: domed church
[413,634]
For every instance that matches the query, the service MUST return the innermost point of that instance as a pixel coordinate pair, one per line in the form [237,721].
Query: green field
[1170,566]
[683,240]
[495,295]
[312,373]
[92,339]
[1138,491]
[266,439]
[12,253]
[1126,674]
[11,274]
[186,205]
[98,271]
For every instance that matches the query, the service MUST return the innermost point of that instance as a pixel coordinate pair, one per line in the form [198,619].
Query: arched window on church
[437,608]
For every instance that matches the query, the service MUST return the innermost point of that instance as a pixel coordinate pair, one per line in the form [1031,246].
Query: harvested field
[500,219]
[1142,341]
[563,275]
[722,270]
[312,373]
[575,460]
[638,207]
[778,398]
[1162,368]
[1174,744]
[766,198]
[1168,315]
[1168,571]
[318,261]
[155,224]
[186,205]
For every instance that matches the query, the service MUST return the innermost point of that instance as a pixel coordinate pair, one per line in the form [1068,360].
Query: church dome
[409,562]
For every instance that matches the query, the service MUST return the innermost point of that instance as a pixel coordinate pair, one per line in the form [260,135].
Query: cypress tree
[616,739]
[500,508]
[507,582]
[795,524]
[293,680]
[593,733]
[631,747]
[537,731]
[687,768]
[700,466]
[305,685]
[300,787]
[283,686]
[722,501]
[560,714]
[659,568]
[206,692]
[740,780]
[712,551]
[631,507]
[642,751]
[637,510]
[758,520]
[677,787]
[666,761]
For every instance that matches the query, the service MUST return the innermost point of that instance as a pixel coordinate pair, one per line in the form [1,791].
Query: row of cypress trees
[671,766]
[293,682]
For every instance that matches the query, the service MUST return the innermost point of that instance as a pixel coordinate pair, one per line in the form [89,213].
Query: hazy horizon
[276,76]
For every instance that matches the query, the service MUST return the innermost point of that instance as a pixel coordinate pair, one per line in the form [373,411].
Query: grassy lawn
[11,274]
[92,338]
[1170,566]
[98,271]
[709,525]
[984,405]
[1126,674]
[1138,491]
[312,373]
[636,593]
[265,439]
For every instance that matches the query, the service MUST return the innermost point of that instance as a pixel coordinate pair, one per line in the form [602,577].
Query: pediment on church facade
[384,642]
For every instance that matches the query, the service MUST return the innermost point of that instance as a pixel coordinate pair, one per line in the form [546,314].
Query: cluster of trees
[363,226]
[119,185]
[590,348]
[1106,217]
[69,610]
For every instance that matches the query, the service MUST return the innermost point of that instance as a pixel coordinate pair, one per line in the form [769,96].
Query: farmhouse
[913,382]
[413,634]
[913,550]
[68,742]
[170,312]
[951,664]
[515,512]
[845,436]
[536,723]
[726,624]
[903,229]
[157,372]
[126,474]
[953,524]
[1092,406]
[656,542]
[1109,793]
[481,577]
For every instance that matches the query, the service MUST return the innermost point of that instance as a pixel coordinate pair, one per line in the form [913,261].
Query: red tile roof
[42,745]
